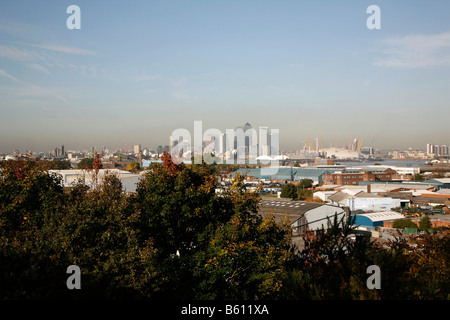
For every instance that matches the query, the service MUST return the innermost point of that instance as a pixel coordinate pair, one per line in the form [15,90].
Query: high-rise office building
[274,142]
[220,144]
[429,148]
[264,141]
[246,130]
[437,150]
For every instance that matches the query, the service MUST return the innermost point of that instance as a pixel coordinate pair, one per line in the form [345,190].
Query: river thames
[399,163]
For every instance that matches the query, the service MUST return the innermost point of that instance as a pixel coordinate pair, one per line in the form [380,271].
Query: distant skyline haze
[137,70]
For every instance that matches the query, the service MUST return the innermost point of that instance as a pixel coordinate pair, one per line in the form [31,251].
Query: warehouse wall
[316,218]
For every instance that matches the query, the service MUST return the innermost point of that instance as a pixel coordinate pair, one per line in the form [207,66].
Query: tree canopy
[289,190]
[418,177]
[85,163]
[176,238]
[133,166]
[404,223]
[424,223]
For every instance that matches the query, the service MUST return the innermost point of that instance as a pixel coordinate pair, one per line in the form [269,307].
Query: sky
[137,70]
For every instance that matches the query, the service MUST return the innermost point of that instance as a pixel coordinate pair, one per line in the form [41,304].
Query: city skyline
[428,149]
[310,145]
[136,71]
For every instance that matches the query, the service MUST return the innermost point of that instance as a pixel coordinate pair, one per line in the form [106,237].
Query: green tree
[424,223]
[429,275]
[178,207]
[176,238]
[27,193]
[208,246]
[43,230]
[305,184]
[98,234]
[404,223]
[304,194]
[85,163]
[30,204]
[60,164]
[332,265]
[248,255]
[302,190]
[418,177]
[289,190]
[247,259]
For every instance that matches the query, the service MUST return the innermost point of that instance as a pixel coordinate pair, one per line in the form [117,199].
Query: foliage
[97,234]
[175,238]
[334,266]
[424,223]
[85,163]
[303,194]
[246,257]
[418,177]
[177,207]
[404,223]
[90,163]
[317,199]
[289,190]
[29,201]
[192,228]
[429,273]
[26,191]
[305,184]
[60,164]
[44,230]
[133,166]
[304,191]
[300,191]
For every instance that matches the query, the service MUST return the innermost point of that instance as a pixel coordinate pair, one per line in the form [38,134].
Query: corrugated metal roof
[339,196]
[363,194]
[283,208]
[427,200]
[382,216]
[396,195]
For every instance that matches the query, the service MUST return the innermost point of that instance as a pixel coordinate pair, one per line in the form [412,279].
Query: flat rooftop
[282,208]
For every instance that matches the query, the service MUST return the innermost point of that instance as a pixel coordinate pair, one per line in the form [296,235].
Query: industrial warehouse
[301,215]
[374,195]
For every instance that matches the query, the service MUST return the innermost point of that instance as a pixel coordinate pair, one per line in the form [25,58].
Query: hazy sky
[137,70]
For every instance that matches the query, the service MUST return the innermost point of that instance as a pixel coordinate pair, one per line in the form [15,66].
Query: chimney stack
[369,189]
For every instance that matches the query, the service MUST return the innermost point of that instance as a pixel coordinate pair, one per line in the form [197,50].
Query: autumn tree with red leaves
[169,166]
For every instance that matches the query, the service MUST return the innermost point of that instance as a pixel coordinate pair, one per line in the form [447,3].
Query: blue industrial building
[376,219]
